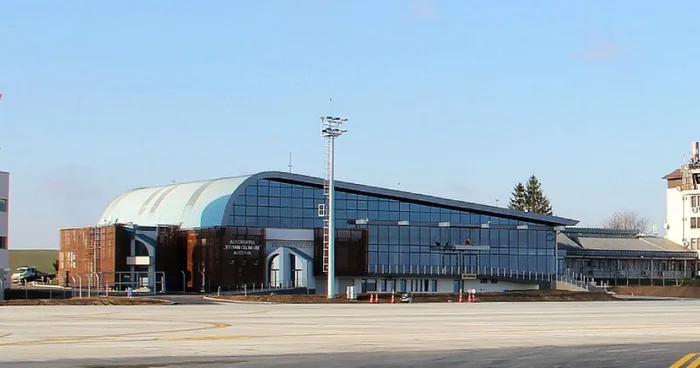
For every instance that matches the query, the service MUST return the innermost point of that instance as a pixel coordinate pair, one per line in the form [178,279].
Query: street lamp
[331,129]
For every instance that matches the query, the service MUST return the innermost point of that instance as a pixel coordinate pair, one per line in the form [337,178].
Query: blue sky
[460,99]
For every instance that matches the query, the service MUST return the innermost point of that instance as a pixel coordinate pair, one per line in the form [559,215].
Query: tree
[530,198]
[518,201]
[626,220]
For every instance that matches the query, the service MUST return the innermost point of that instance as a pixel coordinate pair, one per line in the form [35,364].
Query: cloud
[601,50]
[424,9]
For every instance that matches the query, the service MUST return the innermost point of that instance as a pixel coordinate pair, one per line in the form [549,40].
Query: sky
[459,99]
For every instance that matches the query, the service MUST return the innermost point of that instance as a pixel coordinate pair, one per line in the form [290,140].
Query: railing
[458,271]
[258,288]
[635,274]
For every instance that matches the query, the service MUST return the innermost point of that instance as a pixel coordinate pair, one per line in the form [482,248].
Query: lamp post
[331,129]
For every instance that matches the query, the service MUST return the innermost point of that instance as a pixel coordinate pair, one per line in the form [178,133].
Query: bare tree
[626,220]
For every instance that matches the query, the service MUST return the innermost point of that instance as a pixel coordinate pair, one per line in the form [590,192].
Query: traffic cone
[392,297]
[460,295]
[371,298]
[376,298]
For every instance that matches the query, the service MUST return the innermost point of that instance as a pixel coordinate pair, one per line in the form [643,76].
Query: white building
[683,202]
[4,228]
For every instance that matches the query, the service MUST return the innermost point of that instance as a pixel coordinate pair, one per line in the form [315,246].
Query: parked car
[28,274]
[406,298]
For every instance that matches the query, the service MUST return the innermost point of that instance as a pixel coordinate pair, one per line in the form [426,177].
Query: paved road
[625,334]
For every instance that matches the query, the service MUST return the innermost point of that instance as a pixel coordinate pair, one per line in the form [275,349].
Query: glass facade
[276,204]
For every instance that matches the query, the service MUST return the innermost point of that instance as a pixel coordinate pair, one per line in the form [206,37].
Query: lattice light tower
[331,128]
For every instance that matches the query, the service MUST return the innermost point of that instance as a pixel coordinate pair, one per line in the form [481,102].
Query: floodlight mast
[331,129]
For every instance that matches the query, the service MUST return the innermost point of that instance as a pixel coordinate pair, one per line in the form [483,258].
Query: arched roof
[194,204]
[207,203]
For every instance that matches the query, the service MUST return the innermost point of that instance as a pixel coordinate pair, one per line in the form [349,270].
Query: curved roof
[207,203]
[195,204]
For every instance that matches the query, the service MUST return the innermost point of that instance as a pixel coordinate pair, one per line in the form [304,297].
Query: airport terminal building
[267,229]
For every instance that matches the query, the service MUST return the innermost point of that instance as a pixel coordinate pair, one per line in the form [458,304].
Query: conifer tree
[530,198]
[518,200]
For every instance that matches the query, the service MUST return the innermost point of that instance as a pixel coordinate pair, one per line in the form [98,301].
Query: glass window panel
[251,190]
[383,234]
[285,222]
[285,190]
[394,216]
[351,205]
[373,205]
[383,205]
[285,202]
[308,192]
[274,202]
[361,205]
[263,211]
[340,204]
[532,238]
[352,196]
[341,195]
[362,214]
[373,257]
[297,202]
[403,206]
[393,258]
[286,211]
[251,221]
[414,216]
[414,235]
[394,205]
[274,212]
[297,222]
[393,235]
[297,191]
[522,238]
[383,215]
[263,221]
[308,223]
[383,258]
[251,211]
[263,190]
[262,201]
[414,207]
[425,237]
[351,214]
[310,203]
[240,200]
[239,221]
[414,259]
[309,212]
[274,222]
[373,215]
[239,210]
[404,238]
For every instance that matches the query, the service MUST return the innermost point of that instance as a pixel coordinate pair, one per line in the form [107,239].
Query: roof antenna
[330,107]
[290,163]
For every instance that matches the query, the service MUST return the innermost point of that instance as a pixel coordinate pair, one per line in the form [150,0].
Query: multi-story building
[683,202]
[4,228]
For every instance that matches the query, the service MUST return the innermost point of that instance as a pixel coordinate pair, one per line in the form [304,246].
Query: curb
[235,301]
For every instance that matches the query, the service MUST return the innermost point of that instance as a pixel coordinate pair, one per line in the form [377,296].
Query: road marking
[693,359]
[70,339]
[204,338]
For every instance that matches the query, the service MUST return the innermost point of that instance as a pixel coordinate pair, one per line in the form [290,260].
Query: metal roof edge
[415,197]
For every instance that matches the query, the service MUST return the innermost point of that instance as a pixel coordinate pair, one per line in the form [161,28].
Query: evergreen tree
[518,200]
[537,202]
[530,198]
